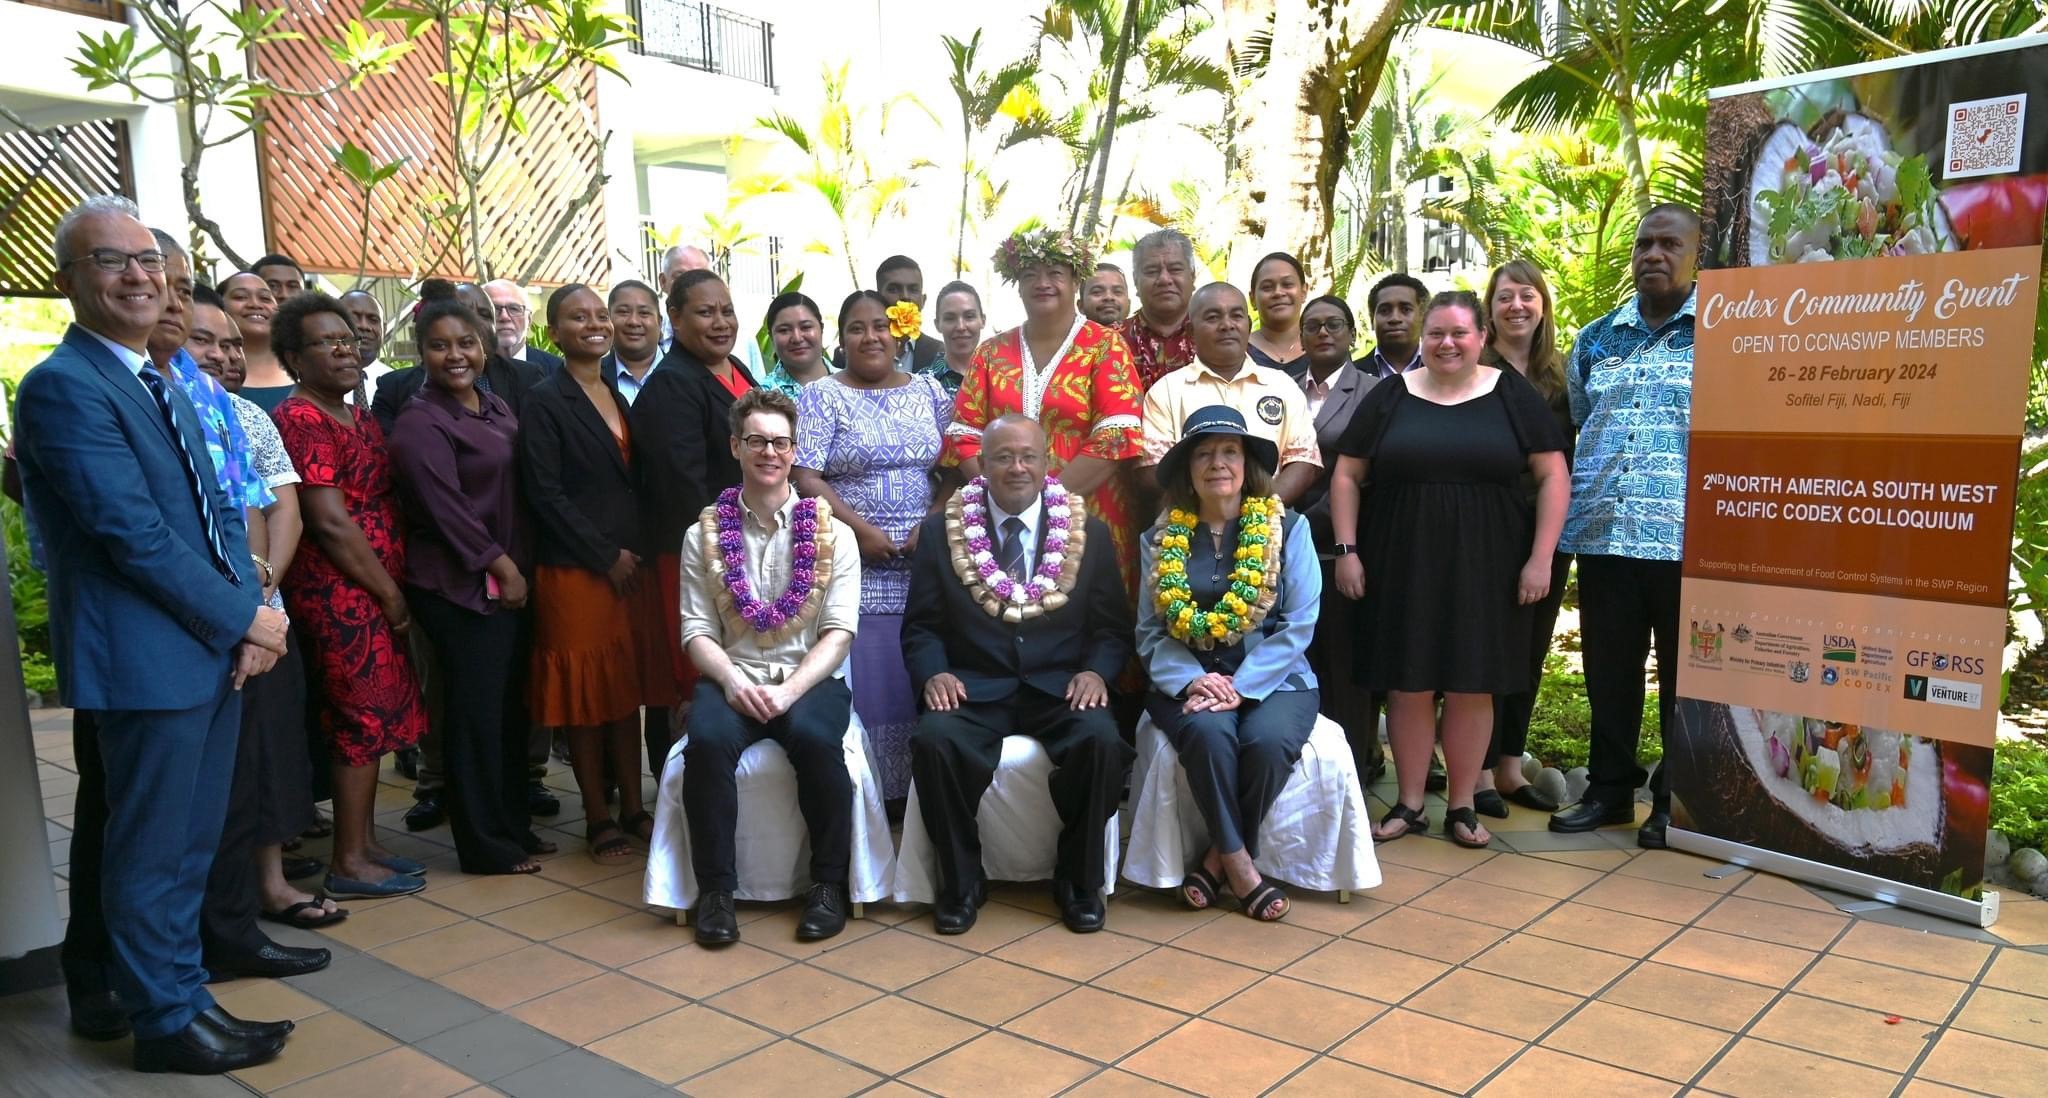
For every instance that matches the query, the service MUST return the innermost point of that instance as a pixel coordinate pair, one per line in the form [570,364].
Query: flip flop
[1454,817]
[608,843]
[290,916]
[1412,820]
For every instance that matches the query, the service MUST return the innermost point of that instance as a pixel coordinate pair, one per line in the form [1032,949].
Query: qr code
[1984,136]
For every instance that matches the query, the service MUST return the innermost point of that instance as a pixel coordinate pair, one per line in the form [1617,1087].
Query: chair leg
[1343,895]
[682,916]
[860,910]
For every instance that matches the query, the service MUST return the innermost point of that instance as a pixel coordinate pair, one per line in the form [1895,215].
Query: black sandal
[1413,819]
[633,823]
[292,916]
[1470,819]
[534,844]
[608,843]
[1200,890]
[1259,901]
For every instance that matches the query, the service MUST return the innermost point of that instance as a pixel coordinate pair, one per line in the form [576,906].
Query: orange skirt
[666,620]
[596,657]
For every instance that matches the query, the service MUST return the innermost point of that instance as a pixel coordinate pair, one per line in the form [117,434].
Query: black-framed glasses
[761,444]
[114,260]
[1334,326]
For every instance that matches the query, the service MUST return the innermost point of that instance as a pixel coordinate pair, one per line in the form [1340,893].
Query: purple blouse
[458,476]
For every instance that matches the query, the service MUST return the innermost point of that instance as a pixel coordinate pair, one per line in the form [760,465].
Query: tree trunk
[1632,153]
[966,162]
[1126,42]
[1299,113]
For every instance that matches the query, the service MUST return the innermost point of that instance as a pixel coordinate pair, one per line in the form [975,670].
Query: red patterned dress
[1155,355]
[1088,401]
[370,695]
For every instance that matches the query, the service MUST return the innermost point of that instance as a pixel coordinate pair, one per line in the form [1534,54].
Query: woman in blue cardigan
[1232,591]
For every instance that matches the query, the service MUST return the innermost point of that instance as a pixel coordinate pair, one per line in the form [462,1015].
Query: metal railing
[704,37]
[746,274]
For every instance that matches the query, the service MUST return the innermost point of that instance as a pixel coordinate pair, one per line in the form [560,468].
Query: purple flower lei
[766,617]
[974,524]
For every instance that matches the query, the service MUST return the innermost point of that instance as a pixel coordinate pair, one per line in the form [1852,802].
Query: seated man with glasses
[770,601]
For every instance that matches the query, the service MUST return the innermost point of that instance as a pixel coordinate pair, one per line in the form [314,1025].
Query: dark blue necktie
[193,480]
[1012,559]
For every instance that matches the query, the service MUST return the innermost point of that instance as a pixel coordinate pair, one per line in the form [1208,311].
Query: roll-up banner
[1866,323]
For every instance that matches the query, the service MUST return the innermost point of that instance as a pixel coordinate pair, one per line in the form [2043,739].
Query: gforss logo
[1943,661]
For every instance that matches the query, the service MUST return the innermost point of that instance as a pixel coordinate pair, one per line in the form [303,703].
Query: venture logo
[1916,688]
[1961,695]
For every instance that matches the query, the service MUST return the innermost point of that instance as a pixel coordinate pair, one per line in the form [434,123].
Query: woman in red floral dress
[343,589]
[1085,394]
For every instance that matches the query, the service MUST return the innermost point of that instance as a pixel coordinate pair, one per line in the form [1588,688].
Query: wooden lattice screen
[42,174]
[314,214]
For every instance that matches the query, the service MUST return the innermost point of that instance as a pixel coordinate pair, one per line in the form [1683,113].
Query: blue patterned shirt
[779,380]
[222,426]
[1631,395]
[949,378]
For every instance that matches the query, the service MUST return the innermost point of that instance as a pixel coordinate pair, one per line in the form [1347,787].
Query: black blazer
[946,630]
[680,428]
[580,488]
[511,379]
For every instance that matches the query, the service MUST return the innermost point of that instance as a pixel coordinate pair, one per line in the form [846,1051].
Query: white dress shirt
[1318,392]
[1030,517]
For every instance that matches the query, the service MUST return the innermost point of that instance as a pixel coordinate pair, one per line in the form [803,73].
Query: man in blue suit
[155,623]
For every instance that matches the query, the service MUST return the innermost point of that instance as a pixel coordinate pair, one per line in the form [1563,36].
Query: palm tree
[985,97]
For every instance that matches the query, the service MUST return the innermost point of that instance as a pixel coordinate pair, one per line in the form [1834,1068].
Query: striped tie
[214,540]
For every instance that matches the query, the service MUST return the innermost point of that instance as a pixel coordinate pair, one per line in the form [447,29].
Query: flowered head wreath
[1027,249]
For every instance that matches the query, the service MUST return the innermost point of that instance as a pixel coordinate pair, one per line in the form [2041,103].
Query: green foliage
[2019,792]
[1560,731]
[2030,533]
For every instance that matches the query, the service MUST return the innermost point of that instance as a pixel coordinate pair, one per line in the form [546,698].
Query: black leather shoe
[272,961]
[426,812]
[406,760]
[98,1016]
[824,913]
[298,868]
[949,916]
[717,923]
[1651,835]
[541,801]
[1080,909]
[243,1027]
[202,1048]
[1590,814]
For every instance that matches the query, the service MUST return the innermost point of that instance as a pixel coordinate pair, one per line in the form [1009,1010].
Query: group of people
[1201,512]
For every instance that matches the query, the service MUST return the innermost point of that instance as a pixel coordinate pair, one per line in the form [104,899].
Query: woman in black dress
[1450,561]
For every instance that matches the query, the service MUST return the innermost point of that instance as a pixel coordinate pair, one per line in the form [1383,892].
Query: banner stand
[1977,913]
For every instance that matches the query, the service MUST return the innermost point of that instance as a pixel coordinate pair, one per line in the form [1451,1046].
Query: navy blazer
[682,441]
[139,616]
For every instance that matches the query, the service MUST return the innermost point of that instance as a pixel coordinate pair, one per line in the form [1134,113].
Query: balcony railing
[104,9]
[746,275]
[705,37]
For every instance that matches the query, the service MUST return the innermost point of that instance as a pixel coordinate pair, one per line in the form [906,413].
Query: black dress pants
[86,953]
[1511,712]
[483,729]
[1625,605]
[813,734]
[953,758]
[1238,760]
[1344,701]
[227,917]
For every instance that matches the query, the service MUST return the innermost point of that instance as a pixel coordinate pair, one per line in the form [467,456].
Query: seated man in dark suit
[994,661]
[509,378]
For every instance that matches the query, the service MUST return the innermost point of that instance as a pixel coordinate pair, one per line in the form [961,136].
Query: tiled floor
[1550,965]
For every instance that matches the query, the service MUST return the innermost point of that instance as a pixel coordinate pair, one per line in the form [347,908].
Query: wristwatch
[1343,550]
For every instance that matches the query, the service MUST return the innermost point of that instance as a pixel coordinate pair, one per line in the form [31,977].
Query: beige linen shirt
[766,537]
[1270,401]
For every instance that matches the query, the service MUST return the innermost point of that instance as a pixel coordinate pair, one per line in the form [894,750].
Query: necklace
[974,562]
[1254,582]
[811,566]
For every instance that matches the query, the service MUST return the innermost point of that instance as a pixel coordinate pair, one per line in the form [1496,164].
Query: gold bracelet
[269,573]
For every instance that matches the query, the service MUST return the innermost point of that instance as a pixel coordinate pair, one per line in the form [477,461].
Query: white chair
[1020,829]
[771,844]
[1317,835]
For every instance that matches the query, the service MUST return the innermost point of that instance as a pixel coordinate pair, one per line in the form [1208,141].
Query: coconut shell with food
[1737,128]
[1866,800]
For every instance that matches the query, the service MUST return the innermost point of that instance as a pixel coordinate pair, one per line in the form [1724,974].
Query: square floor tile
[475,896]
[987,990]
[1483,903]
[442,951]
[997,1063]
[699,972]
[582,1013]
[998,925]
[1735,957]
[1759,1069]
[387,922]
[1540,876]
[682,1043]
[266,1000]
[1687,870]
[1597,855]
[1493,1003]
[580,1073]
[890,1035]
[492,1047]
[1429,934]
[1113,1083]
[413,1013]
[1429,1050]
[1178,980]
[1559,965]
[1400,884]
[1246,941]
[1652,1044]
[576,870]
[320,1044]
[399,1073]
[554,916]
[2018,970]
[1919,950]
[782,1069]
[1816,1025]
[1882,988]
[1075,956]
[2022,921]
[1778,890]
[1094,1023]
[1323,913]
[1996,1013]
[892,959]
[1329,1078]
[1599,928]
[630,890]
[1985,1063]
[1207,1058]
[1650,899]
[1711,1000]
[792,999]
[775,931]
[1434,854]
[512,978]
[1768,922]
[1545,1073]
[1369,970]
[360,977]
[624,941]
[1156,916]
[1298,1013]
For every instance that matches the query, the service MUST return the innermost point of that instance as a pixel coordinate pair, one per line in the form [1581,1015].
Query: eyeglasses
[114,261]
[761,444]
[511,309]
[1334,326]
[338,345]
